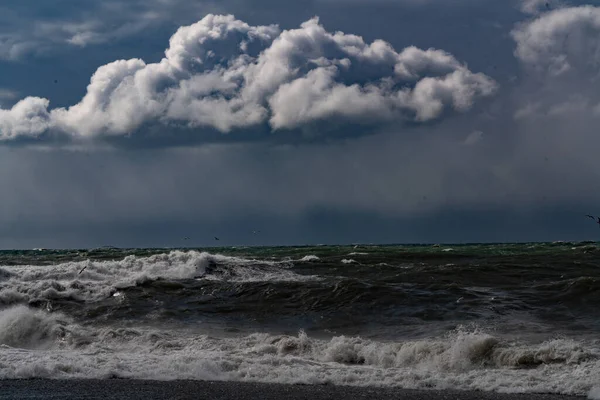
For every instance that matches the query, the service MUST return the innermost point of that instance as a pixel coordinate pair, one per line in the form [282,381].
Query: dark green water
[385,291]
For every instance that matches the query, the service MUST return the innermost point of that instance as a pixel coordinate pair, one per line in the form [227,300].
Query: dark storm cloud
[431,186]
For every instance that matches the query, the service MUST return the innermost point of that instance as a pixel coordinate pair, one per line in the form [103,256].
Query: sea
[519,318]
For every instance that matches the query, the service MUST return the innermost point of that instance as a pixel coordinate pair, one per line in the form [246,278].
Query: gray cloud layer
[29,27]
[224,74]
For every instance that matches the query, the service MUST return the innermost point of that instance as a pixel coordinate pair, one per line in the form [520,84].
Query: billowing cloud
[560,53]
[560,40]
[221,73]
[29,117]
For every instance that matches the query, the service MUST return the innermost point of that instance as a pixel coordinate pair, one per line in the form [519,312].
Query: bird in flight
[597,219]
[186,238]
[216,238]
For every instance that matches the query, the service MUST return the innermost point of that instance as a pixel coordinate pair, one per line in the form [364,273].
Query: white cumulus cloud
[224,74]
[29,117]
[561,52]
[561,40]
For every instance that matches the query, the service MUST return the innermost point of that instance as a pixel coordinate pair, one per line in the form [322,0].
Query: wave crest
[90,281]
[463,360]
[23,327]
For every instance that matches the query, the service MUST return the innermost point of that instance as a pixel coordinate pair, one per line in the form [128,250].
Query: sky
[138,123]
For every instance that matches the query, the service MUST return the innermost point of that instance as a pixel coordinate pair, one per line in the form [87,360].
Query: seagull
[597,219]
[255,232]
[216,238]
[186,238]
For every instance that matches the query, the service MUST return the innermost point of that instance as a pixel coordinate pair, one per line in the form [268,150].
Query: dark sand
[148,390]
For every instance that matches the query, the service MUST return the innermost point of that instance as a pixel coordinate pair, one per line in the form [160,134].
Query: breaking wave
[309,258]
[89,281]
[462,359]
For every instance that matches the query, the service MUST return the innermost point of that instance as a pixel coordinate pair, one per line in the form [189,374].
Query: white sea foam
[101,279]
[594,393]
[348,261]
[309,258]
[37,344]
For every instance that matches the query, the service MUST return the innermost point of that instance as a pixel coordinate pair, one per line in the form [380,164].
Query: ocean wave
[26,328]
[583,289]
[594,393]
[89,281]
[309,258]
[463,359]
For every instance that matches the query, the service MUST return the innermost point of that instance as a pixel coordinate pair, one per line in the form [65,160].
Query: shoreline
[191,389]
